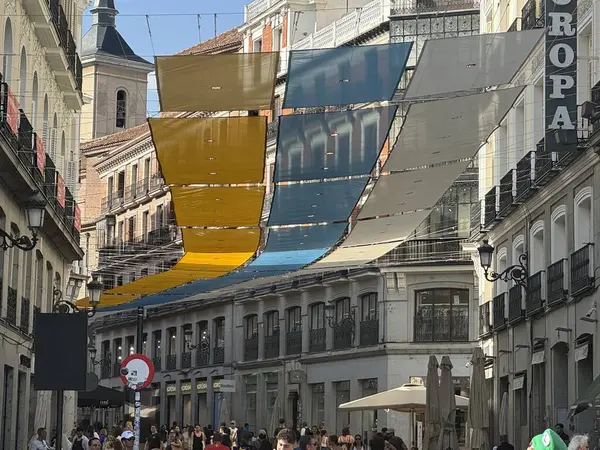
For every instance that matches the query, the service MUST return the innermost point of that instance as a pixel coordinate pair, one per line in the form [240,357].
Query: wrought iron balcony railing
[271,344]
[317,340]
[24,323]
[157,362]
[218,355]
[485,323]
[293,342]
[171,362]
[186,360]
[202,357]
[499,314]
[251,348]
[369,332]
[557,290]
[581,271]
[515,304]
[534,301]
[11,306]
[441,325]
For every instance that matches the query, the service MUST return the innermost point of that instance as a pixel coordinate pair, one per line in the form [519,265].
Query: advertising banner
[77,218]
[40,153]
[12,112]
[60,190]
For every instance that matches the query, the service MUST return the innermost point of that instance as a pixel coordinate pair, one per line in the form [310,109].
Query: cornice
[124,155]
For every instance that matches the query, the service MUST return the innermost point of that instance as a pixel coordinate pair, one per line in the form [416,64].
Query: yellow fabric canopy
[221,241]
[226,82]
[227,150]
[218,206]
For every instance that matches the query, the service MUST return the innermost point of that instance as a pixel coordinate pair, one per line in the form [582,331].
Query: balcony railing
[218,355]
[272,129]
[581,271]
[251,348]
[317,340]
[506,195]
[24,323]
[369,332]
[186,360]
[525,177]
[515,26]
[272,345]
[441,324]
[105,369]
[532,15]
[36,311]
[135,191]
[485,323]
[293,342]
[515,304]
[157,362]
[343,334]
[491,207]
[426,250]
[116,369]
[499,314]
[556,283]
[11,306]
[534,301]
[171,362]
[411,7]
[202,357]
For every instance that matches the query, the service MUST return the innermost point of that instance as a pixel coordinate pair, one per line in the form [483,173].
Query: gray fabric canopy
[448,438]
[432,406]
[478,415]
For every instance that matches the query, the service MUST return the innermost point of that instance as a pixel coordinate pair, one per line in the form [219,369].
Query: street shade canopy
[407,398]
[35,210]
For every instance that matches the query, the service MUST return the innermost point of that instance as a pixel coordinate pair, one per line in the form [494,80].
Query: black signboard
[561,75]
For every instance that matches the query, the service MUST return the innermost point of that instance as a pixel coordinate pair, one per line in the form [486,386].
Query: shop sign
[561,75]
[518,383]
[171,389]
[227,385]
[186,387]
[217,385]
[581,352]
[538,357]
[201,386]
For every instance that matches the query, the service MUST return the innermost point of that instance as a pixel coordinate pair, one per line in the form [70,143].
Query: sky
[170,32]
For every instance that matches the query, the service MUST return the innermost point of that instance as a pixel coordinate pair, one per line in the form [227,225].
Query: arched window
[293,319]
[271,338]
[536,258]
[63,145]
[8,52]
[369,323]
[46,124]
[342,309]
[272,323]
[54,138]
[318,333]
[442,315]
[250,337]
[558,234]
[121,118]
[34,102]
[501,264]
[583,217]
[23,79]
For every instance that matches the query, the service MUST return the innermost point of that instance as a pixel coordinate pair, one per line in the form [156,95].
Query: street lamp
[96,362]
[188,333]
[35,210]
[64,306]
[517,272]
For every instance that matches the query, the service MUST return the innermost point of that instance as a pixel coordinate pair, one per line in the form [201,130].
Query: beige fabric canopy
[406,398]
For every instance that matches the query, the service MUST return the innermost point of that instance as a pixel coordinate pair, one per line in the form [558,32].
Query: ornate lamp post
[35,209]
[517,272]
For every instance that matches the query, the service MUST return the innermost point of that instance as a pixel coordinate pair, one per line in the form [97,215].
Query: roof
[103,40]
[230,40]
[116,138]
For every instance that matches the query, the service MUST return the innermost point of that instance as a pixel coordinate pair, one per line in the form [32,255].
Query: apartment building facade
[40,104]
[300,348]
[539,206]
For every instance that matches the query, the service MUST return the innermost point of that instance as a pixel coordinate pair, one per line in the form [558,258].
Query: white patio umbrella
[448,438]
[478,415]
[432,406]
[503,416]
[407,398]
[275,416]
[224,413]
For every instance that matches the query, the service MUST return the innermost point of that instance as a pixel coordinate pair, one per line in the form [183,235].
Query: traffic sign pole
[136,420]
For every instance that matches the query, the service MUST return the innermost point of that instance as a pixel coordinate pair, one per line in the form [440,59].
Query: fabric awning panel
[218,206]
[353,256]
[215,240]
[344,75]
[471,62]
[387,229]
[450,129]
[226,150]
[410,191]
[332,144]
[226,82]
[305,203]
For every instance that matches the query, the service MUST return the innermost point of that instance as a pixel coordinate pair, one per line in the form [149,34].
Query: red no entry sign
[137,371]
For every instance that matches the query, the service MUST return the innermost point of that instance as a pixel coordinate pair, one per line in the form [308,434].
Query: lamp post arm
[517,273]
[22,242]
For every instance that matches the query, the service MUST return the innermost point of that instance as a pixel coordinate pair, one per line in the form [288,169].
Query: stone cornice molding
[123,155]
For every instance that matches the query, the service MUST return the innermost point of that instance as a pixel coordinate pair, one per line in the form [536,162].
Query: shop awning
[471,62]
[587,399]
[225,82]
[101,397]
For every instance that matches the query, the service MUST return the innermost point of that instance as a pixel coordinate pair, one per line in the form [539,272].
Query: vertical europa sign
[561,74]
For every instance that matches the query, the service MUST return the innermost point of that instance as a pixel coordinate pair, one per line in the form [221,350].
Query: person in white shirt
[234,434]
[39,441]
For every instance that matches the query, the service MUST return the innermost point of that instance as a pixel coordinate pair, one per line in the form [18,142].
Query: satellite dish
[91,382]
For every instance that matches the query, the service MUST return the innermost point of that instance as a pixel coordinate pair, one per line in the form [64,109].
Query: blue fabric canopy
[330,145]
[344,75]
[324,201]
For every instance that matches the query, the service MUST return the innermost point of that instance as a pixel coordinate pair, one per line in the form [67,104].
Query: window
[342,309]
[172,343]
[369,307]
[294,319]
[558,234]
[442,315]
[45,123]
[317,316]
[501,265]
[220,332]
[536,258]
[277,39]
[34,102]
[583,217]
[250,326]
[271,323]
[257,46]
[8,52]
[23,78]
[121,117]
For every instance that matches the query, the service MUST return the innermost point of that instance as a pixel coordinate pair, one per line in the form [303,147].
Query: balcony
[556,281]
[293,342]
[186,360]
[272,129]
[51,28]
[506,194]
[161,236]
[532,15]
[271,344]
[418,250]
[525,177]
[11,307]
[251,348]
[116,369]
[317,340]
[24,323]
[202,357]
[582,280]
[534,302]
[515,26]
[412,7]
[485,324]
[105,369]
[157,362]
[218,355]
[441,324]
[490,207]
[137,192]
[171,362]
[36,311]
[369,332]
[499,313]
[515,304]
[257,7]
